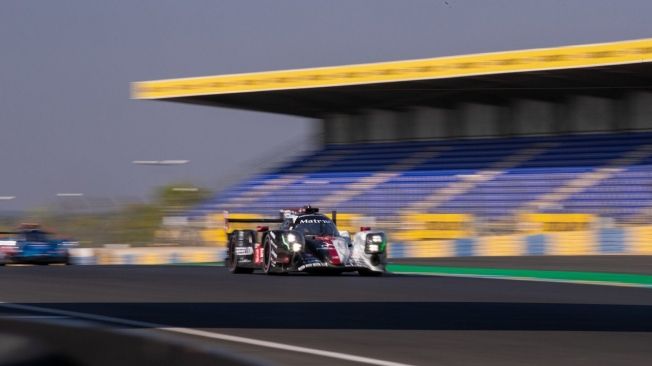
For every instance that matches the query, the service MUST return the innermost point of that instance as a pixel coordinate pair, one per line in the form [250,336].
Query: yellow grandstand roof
[568,57]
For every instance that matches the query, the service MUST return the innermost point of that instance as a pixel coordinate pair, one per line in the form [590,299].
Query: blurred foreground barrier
[34,343]
[630,240]
[146,255]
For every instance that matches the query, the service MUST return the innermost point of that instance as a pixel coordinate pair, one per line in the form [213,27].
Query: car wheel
[369,273]
[232,263]
[268,263]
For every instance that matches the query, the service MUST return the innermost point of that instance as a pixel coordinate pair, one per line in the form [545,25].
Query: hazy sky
[68,124]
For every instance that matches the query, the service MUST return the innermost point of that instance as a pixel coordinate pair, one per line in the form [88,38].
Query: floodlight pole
[75,194]
[160,162]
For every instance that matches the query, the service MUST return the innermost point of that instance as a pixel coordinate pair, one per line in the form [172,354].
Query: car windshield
[36,236]
[316,226]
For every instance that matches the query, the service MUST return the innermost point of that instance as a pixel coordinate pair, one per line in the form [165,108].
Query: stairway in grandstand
[467,182]
[267,185]
[370,182]
[588,179]
[605,174]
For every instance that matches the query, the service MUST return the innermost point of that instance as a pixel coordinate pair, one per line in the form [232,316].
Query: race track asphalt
[401,318]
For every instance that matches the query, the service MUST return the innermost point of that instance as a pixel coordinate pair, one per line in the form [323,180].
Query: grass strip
[625,278]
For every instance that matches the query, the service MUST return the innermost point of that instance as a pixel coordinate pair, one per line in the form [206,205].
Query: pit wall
[630,240]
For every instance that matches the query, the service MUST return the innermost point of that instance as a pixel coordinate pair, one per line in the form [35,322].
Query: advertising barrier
[434,226]
[146,255]
[557,222]
[628,240]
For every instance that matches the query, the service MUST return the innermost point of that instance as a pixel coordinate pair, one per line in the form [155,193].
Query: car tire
[334,273]
[268,265]
[232,263]
[369,273]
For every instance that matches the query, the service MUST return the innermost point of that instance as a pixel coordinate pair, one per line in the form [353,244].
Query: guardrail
[630,240]
[47,343]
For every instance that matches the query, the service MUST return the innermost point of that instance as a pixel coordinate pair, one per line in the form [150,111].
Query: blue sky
[68,125]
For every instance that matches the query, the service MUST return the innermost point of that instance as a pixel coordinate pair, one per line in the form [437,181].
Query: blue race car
[35,246]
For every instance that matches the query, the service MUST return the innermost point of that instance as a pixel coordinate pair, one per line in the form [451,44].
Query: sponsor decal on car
[311,265]
[313,221]
[258,257]
[244,250]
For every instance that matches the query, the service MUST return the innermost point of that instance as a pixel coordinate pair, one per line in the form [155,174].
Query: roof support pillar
[479,120]
[640,111]
[588,114]
[382,125]
[428,123]
[532,117]
[338,129]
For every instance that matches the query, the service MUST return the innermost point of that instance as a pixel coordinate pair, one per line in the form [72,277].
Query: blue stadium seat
[336,169]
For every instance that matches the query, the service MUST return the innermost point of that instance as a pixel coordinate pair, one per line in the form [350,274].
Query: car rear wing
[263,220]
[22,232]
[228,220]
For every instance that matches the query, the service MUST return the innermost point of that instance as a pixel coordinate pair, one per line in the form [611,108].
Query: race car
[305,241]
[7,249]
[31,245]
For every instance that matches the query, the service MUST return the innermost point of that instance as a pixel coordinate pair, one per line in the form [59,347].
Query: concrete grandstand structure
[522,152]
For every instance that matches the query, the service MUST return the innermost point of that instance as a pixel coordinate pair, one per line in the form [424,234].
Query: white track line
[33,317]
[205,334]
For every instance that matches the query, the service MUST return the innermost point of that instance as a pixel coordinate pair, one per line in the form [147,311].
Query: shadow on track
[380,315]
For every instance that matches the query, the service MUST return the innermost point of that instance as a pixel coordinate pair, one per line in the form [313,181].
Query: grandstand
[494,137]
[608,174]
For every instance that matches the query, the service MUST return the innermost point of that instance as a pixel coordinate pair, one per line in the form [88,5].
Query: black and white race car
[305,241]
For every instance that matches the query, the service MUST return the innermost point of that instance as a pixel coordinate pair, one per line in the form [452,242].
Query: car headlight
[293,241]
[375,243]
